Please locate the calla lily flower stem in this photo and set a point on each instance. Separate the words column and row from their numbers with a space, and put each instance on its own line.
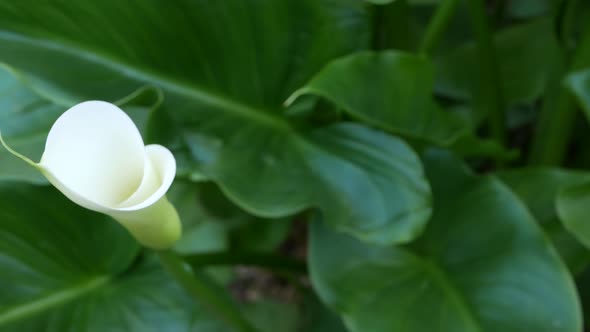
column 204, row 290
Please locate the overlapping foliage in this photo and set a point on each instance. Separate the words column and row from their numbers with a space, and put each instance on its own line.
column 426, row 147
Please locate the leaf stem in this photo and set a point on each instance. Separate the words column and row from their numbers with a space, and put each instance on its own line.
column 204, row 290
column 390, row 26
column 558, row 115
column 491, row 94
column 270, row 261
column 437, row 26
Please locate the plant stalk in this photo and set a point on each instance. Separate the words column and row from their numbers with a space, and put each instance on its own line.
column 204, row 290
column 438, row 24
column 263, row 260
column 558, row 114
column 490, row 97
column 390, row 26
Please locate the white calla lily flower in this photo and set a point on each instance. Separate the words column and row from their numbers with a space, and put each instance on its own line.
column 95, row 156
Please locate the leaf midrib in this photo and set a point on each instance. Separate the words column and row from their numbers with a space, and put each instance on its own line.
column 52, row 300
column 189, row 90
column 445, row 283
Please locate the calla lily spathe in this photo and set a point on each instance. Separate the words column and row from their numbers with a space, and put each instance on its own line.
column 95, row 156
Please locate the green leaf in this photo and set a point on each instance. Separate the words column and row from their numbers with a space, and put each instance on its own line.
column 525, row 64
column 526, row 9
column 481, row 265
column 236, row 57
column 307, row 314
column 25, row 119
column 200, row 233
column 471, row 145
column 579, row 84
column 366, row 182
column 270, row 316
column 391, row 90
column 318, row 318
column 583, row 284
column 572, row 207
column 70, row 269
column 539, row 189
column 260, row 234
column 226, row 68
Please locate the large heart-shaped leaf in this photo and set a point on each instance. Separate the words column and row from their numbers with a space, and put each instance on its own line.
column 67, row 269
column 226, row 67
column 481, row 265
column 366, row 182
column 391, row 90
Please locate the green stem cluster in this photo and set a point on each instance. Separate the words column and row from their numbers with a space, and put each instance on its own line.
column 490, row 96
column 558, row 115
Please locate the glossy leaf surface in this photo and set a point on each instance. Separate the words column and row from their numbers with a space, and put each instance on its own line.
column 390, row 90
column 481, row 265
column 226, row 68
column 541, row 190
column 75, row 270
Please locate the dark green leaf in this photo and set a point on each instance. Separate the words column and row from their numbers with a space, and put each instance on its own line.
column 201, row 233
column 226, row 67
column 306, row 315
column 481, row 265
column 526, row 9
column 271, row 316
column 525, row 64
column 69, row 269
column 391, row 90
column 579, row 83
column 318, row 318
column 572, row 207
column 366, row 182
column 25, row 119
column 260, row 234
column 539, row 189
